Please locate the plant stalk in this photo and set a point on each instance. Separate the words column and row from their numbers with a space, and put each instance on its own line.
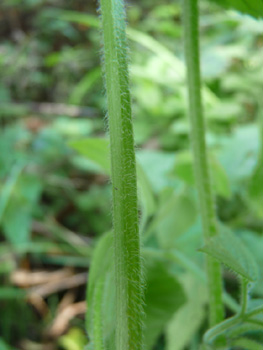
column 201, row 166
column 129, row 286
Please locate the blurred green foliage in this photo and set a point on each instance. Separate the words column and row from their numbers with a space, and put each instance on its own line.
column 55, row 201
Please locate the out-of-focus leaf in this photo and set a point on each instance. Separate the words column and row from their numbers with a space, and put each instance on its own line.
column 229, row 250
column 75, row 339
column 146, row 194
column 255, row 185
column 239, row 155
column 8, row 187
column 248, row 344
column 250, row 7
column 3, row 345
column 96, row 150
column 84, row 86
column 157, row 166
column 187, row 320
column 184, row 170
column 17, row 217
column 163, row 297
column 254, row 242
column 175, row 216
column 12, row 293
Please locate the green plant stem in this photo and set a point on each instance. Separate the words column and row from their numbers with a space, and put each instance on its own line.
column 202, row 175
column 242, row 321
column 255, row 312
column 129, row 290
column 216, row 331
column 244, row 296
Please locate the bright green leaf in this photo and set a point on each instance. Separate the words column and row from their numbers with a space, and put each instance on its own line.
column 229, row 250
column 75, row 339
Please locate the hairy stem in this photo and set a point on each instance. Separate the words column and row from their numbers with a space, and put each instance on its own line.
column 129, row 290
column 201, row 168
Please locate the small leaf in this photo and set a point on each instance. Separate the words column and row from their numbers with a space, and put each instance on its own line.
column 75, row 339
column 250, row 7
column 164, row 296
column 229, row 250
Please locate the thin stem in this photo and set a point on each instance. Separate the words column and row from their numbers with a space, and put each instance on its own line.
column 123, row 169
column 244, row 296
column 254, row 312
column 201, row 168
column 216, row 331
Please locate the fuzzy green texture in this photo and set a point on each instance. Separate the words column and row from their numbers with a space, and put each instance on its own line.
column 201, row 166
column 129, row 284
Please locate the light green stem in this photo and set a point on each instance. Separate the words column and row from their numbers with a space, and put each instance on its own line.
column 216, row 331
column 129, row 290
column 201, row 168
column 244, row 296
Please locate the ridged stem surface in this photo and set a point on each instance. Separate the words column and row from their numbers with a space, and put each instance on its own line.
column 201, row 166
column 123, row 170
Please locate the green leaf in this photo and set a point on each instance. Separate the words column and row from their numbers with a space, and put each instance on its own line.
column 229, row 250
column 176, row 214
column 75, row 339
column 100, row 294
column 3, row 345
column 250, row 7
column 163, row 297
column 247, row 344
column 184, row 170
column 96, row 150
column 146, row 196
column 17, row 216
column 192, row 314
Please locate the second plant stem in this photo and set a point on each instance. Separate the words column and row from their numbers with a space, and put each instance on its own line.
column 201, row 166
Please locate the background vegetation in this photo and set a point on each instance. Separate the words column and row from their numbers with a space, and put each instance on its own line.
column 55, row 199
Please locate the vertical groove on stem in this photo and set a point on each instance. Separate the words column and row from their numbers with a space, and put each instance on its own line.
column 129, row 290
column 201, row 168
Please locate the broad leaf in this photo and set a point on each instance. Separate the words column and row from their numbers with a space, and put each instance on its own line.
column 229, row 250
column 250, row 7
column 176, row 215
column 192, row 314
column 184, row 170
column 163, row 297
